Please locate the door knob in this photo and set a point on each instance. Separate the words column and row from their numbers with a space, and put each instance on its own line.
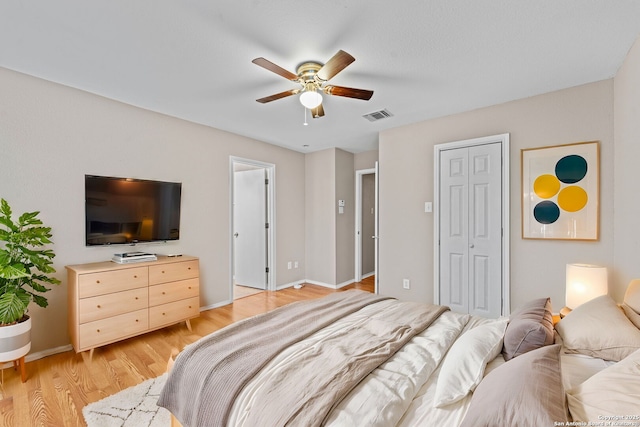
column 235, row 234
column 471, row 246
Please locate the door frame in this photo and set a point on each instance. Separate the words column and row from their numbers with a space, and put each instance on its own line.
column 358, row 235
column 502, row 139
column 271, row 215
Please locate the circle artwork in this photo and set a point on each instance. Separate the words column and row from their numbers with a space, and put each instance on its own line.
column 546, row 212
column 572, row 198
column 571, row 169
column 546, row 186
column 568, row 170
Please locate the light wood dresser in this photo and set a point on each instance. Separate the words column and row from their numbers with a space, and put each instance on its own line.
column 109, row 302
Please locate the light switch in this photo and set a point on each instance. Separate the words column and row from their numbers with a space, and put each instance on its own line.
column 428, row 207
column 341, row 203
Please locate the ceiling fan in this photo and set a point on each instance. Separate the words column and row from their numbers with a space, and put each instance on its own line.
column 312, row 76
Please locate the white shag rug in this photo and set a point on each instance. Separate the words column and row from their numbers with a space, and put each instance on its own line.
column 132, row 407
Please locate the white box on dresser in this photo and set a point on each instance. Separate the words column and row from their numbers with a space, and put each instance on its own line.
column 109, row 302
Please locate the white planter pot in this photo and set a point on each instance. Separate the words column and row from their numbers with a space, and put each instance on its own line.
column 15, row 341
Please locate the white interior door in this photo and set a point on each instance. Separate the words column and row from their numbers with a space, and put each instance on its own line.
column 470, row 218
column 250, row 235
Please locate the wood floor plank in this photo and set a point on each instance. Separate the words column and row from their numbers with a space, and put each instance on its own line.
column 59, row 386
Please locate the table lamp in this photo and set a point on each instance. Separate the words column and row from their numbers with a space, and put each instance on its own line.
column 584, row 282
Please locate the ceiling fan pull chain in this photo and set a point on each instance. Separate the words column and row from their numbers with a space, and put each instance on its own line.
column 305, row 116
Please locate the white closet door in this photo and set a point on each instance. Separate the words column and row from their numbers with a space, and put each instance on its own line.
column 485, row 230
column 471, row 229
column 454, row 229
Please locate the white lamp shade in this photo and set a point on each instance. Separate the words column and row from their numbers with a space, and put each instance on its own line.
column 584, row 283
column 310, row 99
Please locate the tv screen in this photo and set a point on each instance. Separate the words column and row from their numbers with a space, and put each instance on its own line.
column 127, row 210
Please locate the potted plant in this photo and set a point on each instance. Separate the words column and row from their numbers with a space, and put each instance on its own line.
column 25, row 268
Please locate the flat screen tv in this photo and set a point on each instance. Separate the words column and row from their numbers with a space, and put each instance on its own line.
column 128, row 211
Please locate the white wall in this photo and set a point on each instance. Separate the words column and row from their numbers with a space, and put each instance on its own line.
column 320, row 218
column 52, row 135
column 626, row 177
column 345, row 222
column 583, row 113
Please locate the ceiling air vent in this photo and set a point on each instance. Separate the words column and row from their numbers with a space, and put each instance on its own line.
column 378, row 115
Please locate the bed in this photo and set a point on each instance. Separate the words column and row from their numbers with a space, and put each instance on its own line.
column 357, row 359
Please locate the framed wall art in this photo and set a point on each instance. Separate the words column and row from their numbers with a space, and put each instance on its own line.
column 560, row 191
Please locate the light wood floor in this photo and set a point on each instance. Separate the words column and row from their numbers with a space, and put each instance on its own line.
column 59, row 386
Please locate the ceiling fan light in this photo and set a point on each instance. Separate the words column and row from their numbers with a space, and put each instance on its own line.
column 310, row 99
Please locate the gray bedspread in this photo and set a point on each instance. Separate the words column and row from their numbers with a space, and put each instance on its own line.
column 208, row 374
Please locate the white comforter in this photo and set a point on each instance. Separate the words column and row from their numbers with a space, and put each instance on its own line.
column 398, row 393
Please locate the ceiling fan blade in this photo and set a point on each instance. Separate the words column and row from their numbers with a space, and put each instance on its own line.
column 337, row 63
column 349, row 92
column 264, row 63
column 317, row 112
column 278, row 96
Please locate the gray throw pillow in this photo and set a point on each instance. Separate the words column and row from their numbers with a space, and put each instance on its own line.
column 530, row 327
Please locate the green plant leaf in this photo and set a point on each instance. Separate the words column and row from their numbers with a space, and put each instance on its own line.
column 40, row 300
column 8, row 223
column 12, row 306
column 5, row 209
column 13, row 271
column 29, row 218
column 37, row 287
column 46, row 279
column 5, row 258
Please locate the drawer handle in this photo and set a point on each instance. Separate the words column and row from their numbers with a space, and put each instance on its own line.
column 189, row 287
column 137, row 320
column 189, row 306
column 98, row 306
column 188, row 268
column 163, row 314
column 162, row 271
column 136, row 297
column 164, row 293
column 98, row 330
column 97, row 281
column 135, row 276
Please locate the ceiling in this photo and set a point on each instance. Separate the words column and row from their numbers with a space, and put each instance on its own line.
column 423, row 58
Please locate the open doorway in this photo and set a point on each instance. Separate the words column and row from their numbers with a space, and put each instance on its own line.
column 366, row 230
column 251, row 226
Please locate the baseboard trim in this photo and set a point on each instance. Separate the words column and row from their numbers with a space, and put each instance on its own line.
column 347, row 283
column 216, row 305
column 290, row 285
column 364, row 276
column 327, row 285
column 40, row 354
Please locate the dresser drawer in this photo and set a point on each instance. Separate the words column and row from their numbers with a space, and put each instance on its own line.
column 173, row 271
column 174, row 312
column 115, row 328
column 102, row 306
column 107, row 282
column 173, row 291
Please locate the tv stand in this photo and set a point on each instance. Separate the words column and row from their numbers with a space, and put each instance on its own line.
column 109, row 302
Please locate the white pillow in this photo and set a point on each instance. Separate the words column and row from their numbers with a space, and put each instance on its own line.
column 464, row 365
column 599, row 328
column 615, row 391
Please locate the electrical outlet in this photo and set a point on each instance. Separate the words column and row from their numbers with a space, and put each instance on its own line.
column 295, row 264
column 289, row 265
column 406, row 284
